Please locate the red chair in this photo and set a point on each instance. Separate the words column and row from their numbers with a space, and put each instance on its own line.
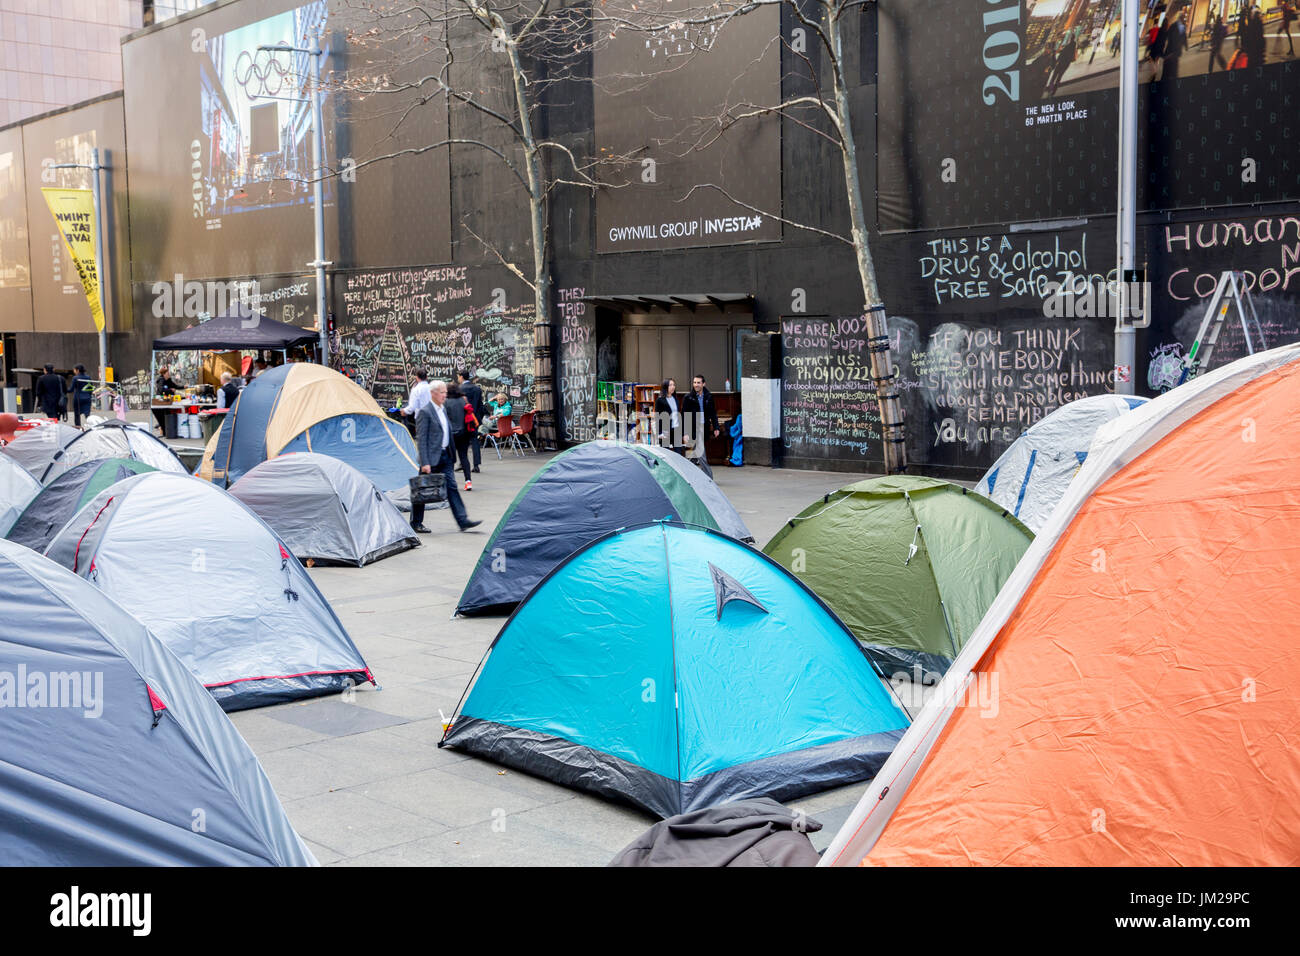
column 525, row 431
column 505, row 433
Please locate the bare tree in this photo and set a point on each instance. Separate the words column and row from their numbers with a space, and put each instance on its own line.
column 493, row 62
column 826, row 96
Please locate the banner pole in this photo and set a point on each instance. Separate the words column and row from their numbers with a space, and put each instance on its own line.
column 96, row 198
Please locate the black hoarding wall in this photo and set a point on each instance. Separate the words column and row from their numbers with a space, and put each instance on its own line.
column 440, row 318
column 1187, row 260
column 1019, row 122
column 170, row 305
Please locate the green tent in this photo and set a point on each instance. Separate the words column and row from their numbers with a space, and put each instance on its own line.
column 909, row 564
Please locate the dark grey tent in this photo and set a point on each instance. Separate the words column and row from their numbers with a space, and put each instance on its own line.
column 110, row 746
column 324, row 509
column 63, row 497
column 239, row 329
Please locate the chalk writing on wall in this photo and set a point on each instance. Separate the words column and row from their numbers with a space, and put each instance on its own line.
column 577, row 365
column 394, row 322
column 1007, row 266
column 968, row 391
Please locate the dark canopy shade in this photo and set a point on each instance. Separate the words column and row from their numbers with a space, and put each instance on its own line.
column 237, row 330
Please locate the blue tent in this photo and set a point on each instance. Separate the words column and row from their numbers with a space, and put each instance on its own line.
column 675, row 668
column 304, row 407
column 580, row 495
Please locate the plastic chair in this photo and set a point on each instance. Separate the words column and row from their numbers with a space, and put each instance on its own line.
column 505, row 433
column 525, row 431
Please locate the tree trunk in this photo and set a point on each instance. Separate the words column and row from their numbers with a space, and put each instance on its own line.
column 883, row 373
column 546, row 422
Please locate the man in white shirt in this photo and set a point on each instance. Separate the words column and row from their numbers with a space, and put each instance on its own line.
column 435, row 440
column 419, row 396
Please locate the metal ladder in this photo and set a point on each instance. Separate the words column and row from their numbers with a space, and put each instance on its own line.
column 1231, row 291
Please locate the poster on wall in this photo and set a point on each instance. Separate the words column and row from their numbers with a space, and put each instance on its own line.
column 1006, row 110
column 673, row 181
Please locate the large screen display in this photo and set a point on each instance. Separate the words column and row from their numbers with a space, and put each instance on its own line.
column 996, row 111
column 222, row 139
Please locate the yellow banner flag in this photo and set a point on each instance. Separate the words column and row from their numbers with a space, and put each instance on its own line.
column 74, row 211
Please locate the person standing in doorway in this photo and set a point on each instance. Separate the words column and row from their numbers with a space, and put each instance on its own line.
column 668, row 417
column 474, row 398
column 82, row 399
column 701, row 416
column 50, row 391
column 434, row 441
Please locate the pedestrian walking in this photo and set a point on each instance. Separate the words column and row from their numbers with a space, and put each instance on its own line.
column 50, row 392
column 82, row 397
column 459, row 414
column 1288, row 17
column 436, row 447
column 474, row 398
column 668, row 417
column 1218, row 33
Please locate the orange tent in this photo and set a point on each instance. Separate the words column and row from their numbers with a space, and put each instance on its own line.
column 1131, row 696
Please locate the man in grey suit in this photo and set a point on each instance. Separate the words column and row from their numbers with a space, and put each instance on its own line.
column 435, row 437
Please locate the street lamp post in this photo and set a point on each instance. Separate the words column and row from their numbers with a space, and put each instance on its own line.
column 1126, row 208
column 318, row 160
column 100, row 278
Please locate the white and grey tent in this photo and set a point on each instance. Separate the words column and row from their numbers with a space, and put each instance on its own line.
column 1031, row 476
column 17, row 489
column 324, row 509
column 216, row 585
column 108, row 744
column 34, row 448
column 113, row 439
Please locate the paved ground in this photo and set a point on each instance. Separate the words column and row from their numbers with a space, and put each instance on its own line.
column 365, row 783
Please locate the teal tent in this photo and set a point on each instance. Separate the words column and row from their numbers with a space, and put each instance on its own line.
column 674, row 668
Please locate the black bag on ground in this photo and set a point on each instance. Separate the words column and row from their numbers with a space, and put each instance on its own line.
column 426, row 489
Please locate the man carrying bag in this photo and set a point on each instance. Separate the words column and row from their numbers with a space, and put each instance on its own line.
column 437, row 457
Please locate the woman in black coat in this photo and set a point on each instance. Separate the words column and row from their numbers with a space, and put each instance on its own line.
column 668, row 417
column 455, row 408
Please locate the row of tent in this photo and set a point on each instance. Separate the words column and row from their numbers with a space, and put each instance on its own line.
column 157, row 601
column 665, row 663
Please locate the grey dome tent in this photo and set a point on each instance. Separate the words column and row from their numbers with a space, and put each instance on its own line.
column 216, row 585
column 17, row 489
column 113, row 439
column 56, row 503
column 324, row 509
column 109, row 744
column 35, row 448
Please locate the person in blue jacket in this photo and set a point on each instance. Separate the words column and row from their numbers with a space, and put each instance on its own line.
column 82, row 396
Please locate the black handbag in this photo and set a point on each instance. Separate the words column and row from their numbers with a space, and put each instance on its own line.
column 428, row 489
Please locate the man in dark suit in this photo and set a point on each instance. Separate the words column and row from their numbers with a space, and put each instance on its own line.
column 474, row 397
column 435, row 437
column 50, row 389
column 701, row 414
